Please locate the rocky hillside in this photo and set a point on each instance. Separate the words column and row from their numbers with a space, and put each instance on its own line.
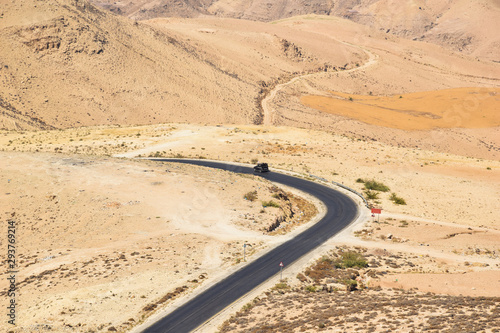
column 65, row 63
column 260, row 10
column 460, row 25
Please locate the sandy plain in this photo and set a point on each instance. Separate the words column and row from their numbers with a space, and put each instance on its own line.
column 181, row 224
column 93, row 254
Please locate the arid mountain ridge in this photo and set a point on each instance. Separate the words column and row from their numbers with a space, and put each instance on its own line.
column 68, row 63
column 76, row 65
column 459, row 25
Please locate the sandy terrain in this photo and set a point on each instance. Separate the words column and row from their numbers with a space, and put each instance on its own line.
column 87, row 245
column 82, row 66
column 447, row 195
column 79, row 69
column 397, row 68
column 443, row 187
column 106, row 241
column 213, row 70
column 478, row 108
column 202, row 214
column 372, row 311
column 378, row 298
column 459, row 252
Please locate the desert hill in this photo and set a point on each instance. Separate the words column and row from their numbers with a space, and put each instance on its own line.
column 67, row 63
column 70, row 64
column 257, row 10
column 396, row 67
column 460, row 25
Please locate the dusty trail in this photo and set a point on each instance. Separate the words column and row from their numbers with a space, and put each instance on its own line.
column 268, row 110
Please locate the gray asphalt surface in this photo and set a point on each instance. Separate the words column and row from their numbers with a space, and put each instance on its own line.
column 342, row 210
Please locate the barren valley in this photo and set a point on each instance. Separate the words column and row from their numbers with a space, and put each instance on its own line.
column 109, row 240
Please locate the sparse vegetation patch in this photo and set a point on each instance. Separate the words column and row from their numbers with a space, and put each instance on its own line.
column 341, row 299
column 351, row 259
column 376, row 186
column 270, row 203
column 250, row 196
column 397, row 200
column 371, row 195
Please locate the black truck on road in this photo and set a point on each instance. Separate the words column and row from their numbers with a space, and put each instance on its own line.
column 261, row 167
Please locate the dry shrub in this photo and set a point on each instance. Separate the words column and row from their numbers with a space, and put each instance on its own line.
column 251, row 196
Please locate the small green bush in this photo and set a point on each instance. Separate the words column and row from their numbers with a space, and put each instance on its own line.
column 376, row 186
column 270, row 203
column 247, row 307
column 281, row 286
column 371, row 195
column 157, row 154
column 351, row 285
column 397, row 200
column 311, row 289
column 352, row 259
column 326, row 259
column 360, row 180
column 251, row 196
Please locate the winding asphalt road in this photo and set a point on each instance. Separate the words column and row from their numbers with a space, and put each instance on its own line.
column 341, row 212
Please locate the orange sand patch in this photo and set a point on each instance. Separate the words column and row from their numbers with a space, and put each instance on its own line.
column 450, row 108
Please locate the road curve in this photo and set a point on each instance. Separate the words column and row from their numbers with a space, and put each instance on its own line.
column 341, row 211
